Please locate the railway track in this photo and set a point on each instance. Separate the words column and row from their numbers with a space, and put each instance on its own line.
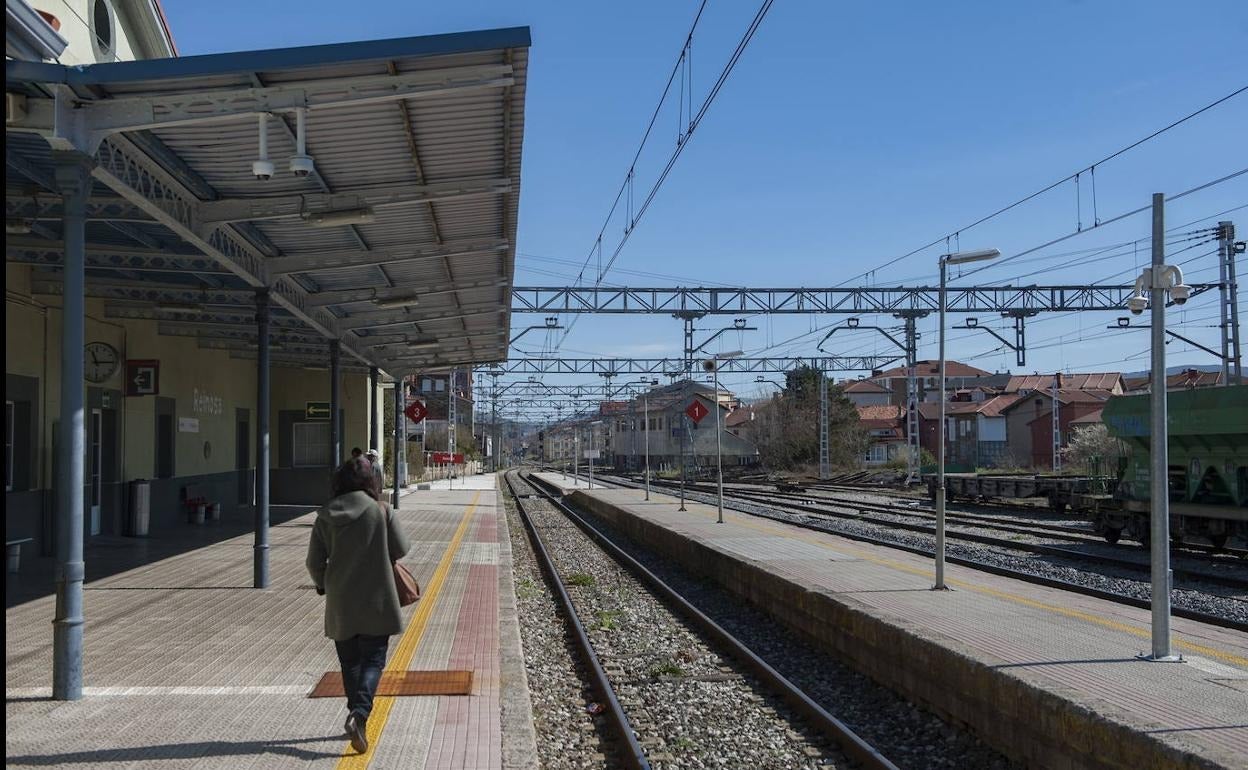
column 629, row 699
column 855, row 509
column 803, row 516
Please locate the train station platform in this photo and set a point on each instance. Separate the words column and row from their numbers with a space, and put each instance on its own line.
column 1048, row 677
column 186, row 666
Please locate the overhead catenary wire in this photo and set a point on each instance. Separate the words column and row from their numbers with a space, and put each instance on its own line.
column 1053, row 186
column 682, row 142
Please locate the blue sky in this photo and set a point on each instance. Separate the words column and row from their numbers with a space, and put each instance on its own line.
column 849, row 134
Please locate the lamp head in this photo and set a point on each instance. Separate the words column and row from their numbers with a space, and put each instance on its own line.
column 970, row 256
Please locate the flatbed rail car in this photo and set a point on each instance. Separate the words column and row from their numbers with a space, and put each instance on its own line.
column 1062, row 492
column 1208, row 471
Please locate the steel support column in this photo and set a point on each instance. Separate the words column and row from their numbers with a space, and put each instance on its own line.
column 374, row 425
column 399, row 439
column 260, row 555
column 1232, row 365
column 1159, row 496
column 913, row 443
column 73, row 177
column 825, row 465
column 335, row 404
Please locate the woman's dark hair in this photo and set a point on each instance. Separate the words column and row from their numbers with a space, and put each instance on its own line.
column 355, row 475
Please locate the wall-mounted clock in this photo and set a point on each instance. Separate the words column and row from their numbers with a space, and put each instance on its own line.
column 100, row 361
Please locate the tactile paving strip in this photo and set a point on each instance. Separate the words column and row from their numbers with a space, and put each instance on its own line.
column 407, row 683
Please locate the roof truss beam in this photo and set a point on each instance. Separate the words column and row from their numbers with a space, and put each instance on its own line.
column 281, row 207
column 676, row 366
column 852, row 301
column 83, row 124
column 332, row 260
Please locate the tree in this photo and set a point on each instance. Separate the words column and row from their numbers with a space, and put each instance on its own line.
column 1093, row 450
column 787, row 430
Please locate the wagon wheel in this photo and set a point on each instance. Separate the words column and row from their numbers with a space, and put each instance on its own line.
column 1057, row 505
column 1112, row 534
column 1176, row 538
column 1219, row 541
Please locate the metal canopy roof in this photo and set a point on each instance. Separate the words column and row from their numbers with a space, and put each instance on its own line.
column 420, row 136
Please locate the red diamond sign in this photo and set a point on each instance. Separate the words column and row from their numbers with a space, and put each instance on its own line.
column 696, row 411
column 416, row 411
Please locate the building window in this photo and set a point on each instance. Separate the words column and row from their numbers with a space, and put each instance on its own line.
column 103, row 29
column 440, row 385
column 10, row 415
column 311, row 444
column 426, row 385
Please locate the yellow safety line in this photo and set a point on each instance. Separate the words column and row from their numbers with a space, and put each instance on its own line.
column 407, row 645
column 773, row 527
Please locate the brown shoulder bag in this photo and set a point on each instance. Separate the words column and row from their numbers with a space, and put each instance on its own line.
column 404, row 582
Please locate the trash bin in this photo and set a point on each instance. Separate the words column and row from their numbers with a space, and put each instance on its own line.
column 198, row 512
column 140, row 507
column 214, row 511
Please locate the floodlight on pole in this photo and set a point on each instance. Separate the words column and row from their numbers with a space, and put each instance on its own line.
column 946, row 260
column 712, row 365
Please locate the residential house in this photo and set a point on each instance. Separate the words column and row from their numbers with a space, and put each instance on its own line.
column 976, row 430
column 866, row 393
column 1107, row 381
column 1029, row 421
column 1184, row 380
column 885, row 425
column 672, row 432
column 927, row 373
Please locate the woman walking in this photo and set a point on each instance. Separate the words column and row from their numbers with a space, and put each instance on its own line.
column 354, row 544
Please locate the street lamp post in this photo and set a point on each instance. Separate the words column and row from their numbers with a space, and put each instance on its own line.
column 576, row 456
column 945, row 261
column 1159, row 280
column 713, row 365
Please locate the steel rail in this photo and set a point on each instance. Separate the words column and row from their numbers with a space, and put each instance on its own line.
column 1064, row 585
column 633, row 756
column 849, row 741
column 767, row 497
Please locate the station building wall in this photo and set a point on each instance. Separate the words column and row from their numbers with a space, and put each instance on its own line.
column 197, row 436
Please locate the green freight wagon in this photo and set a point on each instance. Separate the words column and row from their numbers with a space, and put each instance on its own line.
column 1208, row 465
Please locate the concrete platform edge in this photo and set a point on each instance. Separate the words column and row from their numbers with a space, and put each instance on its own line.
column 519, row 734
column 1017, row 717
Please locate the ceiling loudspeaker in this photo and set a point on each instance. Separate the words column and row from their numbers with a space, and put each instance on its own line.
column 709, row 365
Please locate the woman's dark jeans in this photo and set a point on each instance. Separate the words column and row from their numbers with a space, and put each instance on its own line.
column 362, row 658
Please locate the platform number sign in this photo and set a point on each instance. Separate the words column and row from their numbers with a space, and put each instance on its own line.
column 696, row 411
column 416, row 411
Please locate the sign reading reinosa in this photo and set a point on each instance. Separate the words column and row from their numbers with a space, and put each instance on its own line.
column 446, row 458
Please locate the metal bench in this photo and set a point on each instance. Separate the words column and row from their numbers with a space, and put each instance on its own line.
column 14, row 549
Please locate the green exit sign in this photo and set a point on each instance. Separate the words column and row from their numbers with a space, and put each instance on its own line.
column 317, row 410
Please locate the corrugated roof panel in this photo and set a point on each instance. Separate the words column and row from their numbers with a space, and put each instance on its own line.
column 468, row 134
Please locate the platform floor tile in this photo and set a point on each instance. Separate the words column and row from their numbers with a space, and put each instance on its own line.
column 185, row 666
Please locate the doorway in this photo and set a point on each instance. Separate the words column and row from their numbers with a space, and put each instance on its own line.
column 242, row 455
column 97, row 468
